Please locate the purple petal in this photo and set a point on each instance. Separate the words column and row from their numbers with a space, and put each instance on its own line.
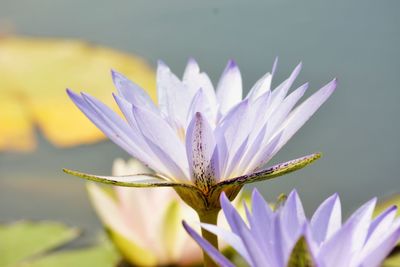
column 238, row 226
column 229, row 90
column 327, row 219
column 230, row 213
column 262, row 86
column 339, row 249
column 281, row 112
column 302, row 113
column 281, row 91
column 226, row 134
column 292, row 215
column 160, row 134
column 377, row 256
column 262, row 223
column 381, row 223
column 236, row 129
column 211, row 251
column 381, row 238
column 232, row 167
column 200, row 145
column 113, row 126
column 230, row 238
column 264, row 155
column 274, row 66
column 361, row 218
column 262, row 212
column 127, row 110
column 132, row 92
column 251, row 152
column 279, row 246
column 255, row 251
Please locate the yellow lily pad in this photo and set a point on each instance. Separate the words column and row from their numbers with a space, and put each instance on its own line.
column 388, row 202
column 34, row 75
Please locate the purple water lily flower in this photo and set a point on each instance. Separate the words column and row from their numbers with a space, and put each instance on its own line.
column 201, row 141
column 285, row 237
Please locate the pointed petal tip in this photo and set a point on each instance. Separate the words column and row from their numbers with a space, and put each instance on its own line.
column 162, row 64
column 294, row 193
column 274, row 65
column 185, row 225
column 223, row 197
column 231, row 63
column 192, row 60
column 331, row 86
column 256, row 196
column 390, row 209
column 116, row 97
column 335, row 196
column 255, row 193
column 72, row 95
column 116, row 75
column 231, row 66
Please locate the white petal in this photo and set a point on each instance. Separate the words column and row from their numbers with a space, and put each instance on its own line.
column 229, row 90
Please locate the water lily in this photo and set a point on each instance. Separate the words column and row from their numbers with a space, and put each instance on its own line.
column 285, row 237
column 201, row 141
column 145, row 224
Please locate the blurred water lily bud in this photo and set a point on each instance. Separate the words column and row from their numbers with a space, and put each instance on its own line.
column 146, row 224
column 34, row 74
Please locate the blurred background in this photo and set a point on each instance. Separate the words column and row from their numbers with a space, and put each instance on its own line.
column 357, row 129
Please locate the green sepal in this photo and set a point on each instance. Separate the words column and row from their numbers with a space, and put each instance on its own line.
column 301, row 255
column 272, row 172
column 202, row 201
column 137, row 180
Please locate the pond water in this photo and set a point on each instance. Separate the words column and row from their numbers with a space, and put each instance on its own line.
column 357, row 129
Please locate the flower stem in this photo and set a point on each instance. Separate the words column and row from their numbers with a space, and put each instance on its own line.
column 210, row 218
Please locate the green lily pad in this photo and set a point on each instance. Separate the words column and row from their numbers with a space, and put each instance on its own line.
column 24, row 240
column 36, row 244
column 101, row 255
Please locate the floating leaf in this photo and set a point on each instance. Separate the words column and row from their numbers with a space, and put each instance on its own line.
column 34, row 75
column 388, row 202
column 392, row 261
column 101, row 255
column 23, row 240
